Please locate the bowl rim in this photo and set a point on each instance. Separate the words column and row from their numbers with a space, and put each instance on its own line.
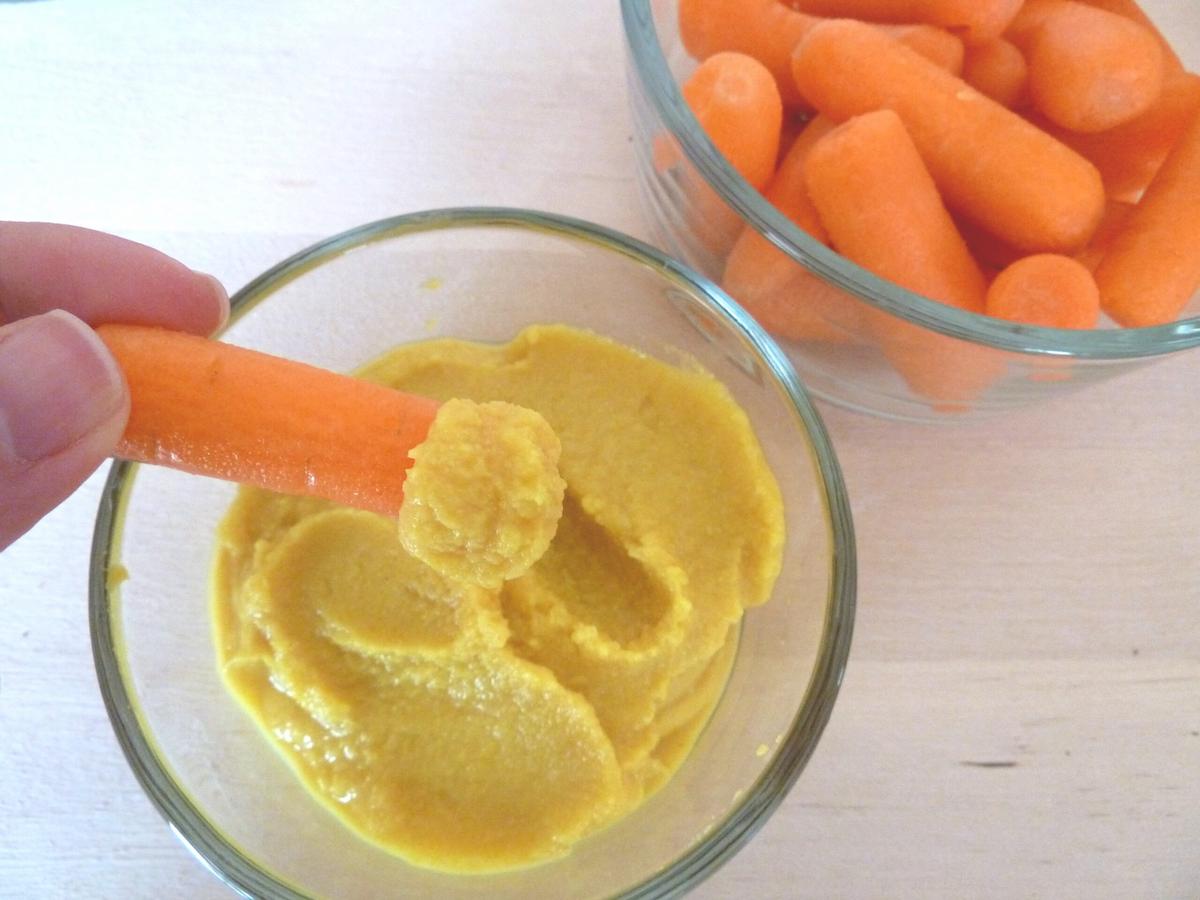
column 250, row 878
column 649, row 66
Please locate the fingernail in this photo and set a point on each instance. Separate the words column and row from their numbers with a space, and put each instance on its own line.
column 57, row 383
column 220, row 293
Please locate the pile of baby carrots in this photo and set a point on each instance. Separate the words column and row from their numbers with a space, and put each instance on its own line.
column 1035, row 161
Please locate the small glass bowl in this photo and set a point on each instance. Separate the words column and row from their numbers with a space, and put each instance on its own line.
column 479, row 274
column 697, row 206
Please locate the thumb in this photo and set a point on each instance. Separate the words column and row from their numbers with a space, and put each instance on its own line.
column 63, row 406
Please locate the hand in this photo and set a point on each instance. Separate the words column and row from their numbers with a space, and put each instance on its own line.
column 63, row 402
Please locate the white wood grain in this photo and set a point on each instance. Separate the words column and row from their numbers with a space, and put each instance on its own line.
column 1030, row 586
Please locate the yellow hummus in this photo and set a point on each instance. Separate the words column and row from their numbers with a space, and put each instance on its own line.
column 469, row 723
column 484, row 495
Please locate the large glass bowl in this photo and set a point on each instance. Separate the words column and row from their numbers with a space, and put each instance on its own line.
column 697, row 206
column 483, row 275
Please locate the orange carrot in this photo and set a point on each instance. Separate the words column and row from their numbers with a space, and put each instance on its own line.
column 997, row 69
column 1029, row 19
column 977, row 21
column 988, row 250
column 937, row 45
column 785, row 298
column 793, row 125
column 1129, row 155
column 1048, row 290
column 1115, row 214
column 1130, row 10
column 1089, row 69
column 214, row 409
column 709, row 225
column 788, row 184
column 1152, row 267
column 735, row 100
column 764, row 29
column 890, row 220
column 991, row 165
column 882, row 210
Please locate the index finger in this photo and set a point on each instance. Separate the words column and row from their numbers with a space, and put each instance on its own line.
column 102, row 278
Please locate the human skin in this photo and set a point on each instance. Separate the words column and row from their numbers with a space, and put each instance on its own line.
column 63, row 402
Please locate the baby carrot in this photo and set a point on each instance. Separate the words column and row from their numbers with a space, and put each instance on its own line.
column 788, row 184
column 764, row 29
column 709, row 225
column 1130, row 10
column 214, row 409
column 1046, row 289
column 1091, row 70
column 997, row 69
column 1128, row 156
column 889, row 219
column 785, row 298
column 1152, row 267
column 769, row 31
column 976, row 21
column 736, row 102
column 1029, row 19
column 793, row 124
column 991, row 165
column 1115, row 214
column 937, row 45
column 988, row 250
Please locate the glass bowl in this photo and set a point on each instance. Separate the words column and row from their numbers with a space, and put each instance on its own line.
column 478, row 274
column 697, row 206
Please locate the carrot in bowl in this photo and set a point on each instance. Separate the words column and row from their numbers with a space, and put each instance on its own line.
column 788, row 182
column 937, row 45
column 1128, row 156
column 1152, row 267
column 793, row 124
column 1131, row 10
column 989, row 251
column 736, row 102
column 976, row 21
column 1045, row 289
column 785, row 298
column 990, row 164
column 1029, row 19
column 1089, row 69
column 214, row 409
column 764, row 29
column 997, row 69
column 1115, row 214
column 769, row 31
column 889, row 218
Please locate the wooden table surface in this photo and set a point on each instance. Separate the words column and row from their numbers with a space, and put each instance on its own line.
column 1021, row 714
